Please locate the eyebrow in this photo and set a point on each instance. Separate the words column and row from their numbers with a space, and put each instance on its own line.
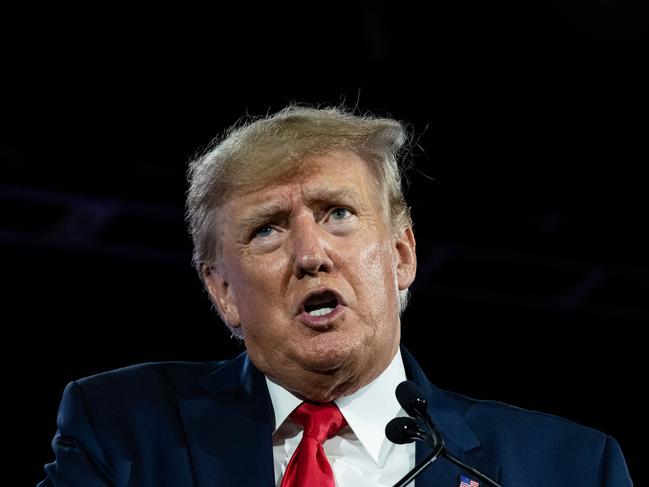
column 324, row 195
column 280, row 209
column 263, row 213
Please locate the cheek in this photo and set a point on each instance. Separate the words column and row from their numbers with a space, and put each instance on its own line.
column 256, row 284
column 258, row 274
column 374, row 268
column 375, row 261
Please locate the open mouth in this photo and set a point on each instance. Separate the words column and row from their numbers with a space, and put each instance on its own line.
column 321, row 308
column 321, row 304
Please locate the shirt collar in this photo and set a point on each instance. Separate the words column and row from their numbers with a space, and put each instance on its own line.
column 283, row 402
column 367, row 410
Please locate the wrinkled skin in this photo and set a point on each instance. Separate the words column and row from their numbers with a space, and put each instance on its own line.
column 327, row 228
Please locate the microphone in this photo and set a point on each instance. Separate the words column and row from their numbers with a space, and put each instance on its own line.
column 407, row 430
column 413, row 403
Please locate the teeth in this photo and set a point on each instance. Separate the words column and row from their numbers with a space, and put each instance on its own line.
column 321, row 311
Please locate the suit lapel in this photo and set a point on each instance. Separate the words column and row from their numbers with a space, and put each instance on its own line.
column 228, row 419
column 459, row 437
column 229, row 424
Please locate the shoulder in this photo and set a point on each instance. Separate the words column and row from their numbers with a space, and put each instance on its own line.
column 488, row 416
column 139, row 401
column 530, row 447
column 511, row 431
column 130, row 412
column 150, row 376
column 515, row 436
column 497, row 423
column 138, row 390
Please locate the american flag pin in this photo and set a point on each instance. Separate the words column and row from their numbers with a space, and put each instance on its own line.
column 467, row 482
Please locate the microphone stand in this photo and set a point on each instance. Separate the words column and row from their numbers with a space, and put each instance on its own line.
column 439, row 450
column 410, row 476
column 412, row 401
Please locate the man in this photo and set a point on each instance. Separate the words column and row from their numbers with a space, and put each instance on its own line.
column 304, row 242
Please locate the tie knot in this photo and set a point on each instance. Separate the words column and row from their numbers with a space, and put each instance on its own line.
column 320, row 421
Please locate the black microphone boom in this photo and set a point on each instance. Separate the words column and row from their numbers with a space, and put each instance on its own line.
column 407, row 430
column 413, row 403
column 404, row 430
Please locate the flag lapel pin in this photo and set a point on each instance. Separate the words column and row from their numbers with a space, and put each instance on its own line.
column 467, row 482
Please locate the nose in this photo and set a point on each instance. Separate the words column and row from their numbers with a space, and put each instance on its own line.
column 310, row 248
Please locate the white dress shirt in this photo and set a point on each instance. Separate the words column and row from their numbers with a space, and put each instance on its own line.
column 360, row 454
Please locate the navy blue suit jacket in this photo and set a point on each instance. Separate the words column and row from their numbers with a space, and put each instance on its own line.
column 176, row 424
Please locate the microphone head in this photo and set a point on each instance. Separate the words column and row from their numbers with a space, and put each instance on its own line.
column 411, row 398
column 403, row 430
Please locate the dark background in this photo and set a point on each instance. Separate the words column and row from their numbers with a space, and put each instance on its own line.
column 527, row 189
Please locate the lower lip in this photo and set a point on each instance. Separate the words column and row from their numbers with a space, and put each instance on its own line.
column 321, row 322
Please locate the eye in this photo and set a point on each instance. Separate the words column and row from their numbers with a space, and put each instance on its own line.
column 340, row 213
column 263, row 231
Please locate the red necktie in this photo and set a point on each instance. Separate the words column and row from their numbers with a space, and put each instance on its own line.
column 309, row 466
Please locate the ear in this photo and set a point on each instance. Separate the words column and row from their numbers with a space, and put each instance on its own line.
column 222, row 297
column 404, row 246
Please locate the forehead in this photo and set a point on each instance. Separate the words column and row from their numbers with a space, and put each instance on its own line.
column 323, row 178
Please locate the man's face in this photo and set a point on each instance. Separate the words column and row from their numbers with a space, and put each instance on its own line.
column 310, row 272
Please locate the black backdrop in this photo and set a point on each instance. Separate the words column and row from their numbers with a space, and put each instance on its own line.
column 527, row 189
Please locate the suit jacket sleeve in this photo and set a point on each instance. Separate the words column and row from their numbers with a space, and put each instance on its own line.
column 79, row 459
column 613, row 471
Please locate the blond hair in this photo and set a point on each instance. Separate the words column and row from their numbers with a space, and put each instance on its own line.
column 273, row 148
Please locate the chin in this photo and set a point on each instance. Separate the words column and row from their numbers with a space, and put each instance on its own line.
column 328, row 376
column 327, row 392
column 327, row 356
column 317, row 396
